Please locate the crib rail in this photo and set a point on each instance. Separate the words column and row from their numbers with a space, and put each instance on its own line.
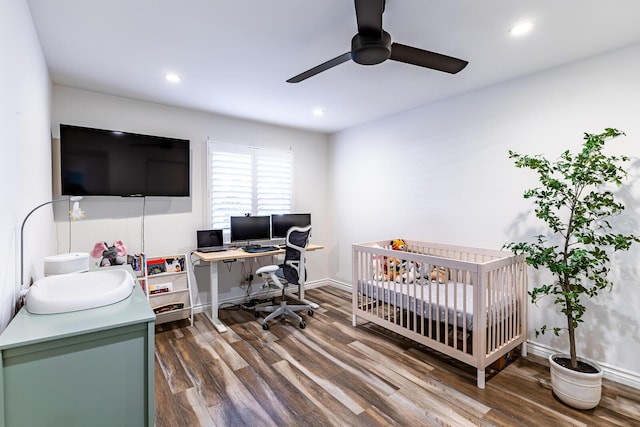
column 465, row 302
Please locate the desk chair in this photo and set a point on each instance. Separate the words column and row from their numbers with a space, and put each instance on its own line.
column 291, row 272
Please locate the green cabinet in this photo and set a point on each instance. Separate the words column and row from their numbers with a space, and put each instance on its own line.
column 85, row 368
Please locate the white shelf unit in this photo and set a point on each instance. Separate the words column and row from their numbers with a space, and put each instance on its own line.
column 166, row 282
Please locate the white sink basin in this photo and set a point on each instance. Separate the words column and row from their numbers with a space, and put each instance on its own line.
column 79, row 291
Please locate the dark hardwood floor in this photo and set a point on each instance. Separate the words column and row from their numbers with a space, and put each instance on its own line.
column 332, row 374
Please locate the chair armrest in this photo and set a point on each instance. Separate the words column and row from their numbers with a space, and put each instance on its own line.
column 267, row 269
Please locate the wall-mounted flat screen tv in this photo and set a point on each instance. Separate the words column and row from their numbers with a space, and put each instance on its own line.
column 98, row 162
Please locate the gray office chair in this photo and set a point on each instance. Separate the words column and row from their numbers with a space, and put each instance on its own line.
column 291, row 272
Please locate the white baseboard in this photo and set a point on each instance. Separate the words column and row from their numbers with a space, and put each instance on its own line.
column 317, row 283
column 619, row 375
column 339, row 285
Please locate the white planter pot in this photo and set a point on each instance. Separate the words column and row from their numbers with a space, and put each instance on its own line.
column 577, row 389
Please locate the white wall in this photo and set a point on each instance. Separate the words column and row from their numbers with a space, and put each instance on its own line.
column 170, row 224
column 25, row 166
column 441, row 173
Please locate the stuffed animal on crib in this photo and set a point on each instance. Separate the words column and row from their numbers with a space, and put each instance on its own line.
column 398, row 245
column 385, row 268
column 439, row 274
column 410, row 272
column 394, row 269
column 378, row 267
column 111, row 255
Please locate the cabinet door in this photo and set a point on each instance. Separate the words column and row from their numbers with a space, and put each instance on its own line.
column 98, row 379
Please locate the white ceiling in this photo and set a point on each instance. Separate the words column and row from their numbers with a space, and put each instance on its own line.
column 234, row 56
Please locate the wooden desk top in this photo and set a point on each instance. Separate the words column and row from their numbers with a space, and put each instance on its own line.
column 239, row 253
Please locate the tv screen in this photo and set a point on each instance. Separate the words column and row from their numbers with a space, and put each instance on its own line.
column 98, row 162
column 248, row 228
column 281, row 223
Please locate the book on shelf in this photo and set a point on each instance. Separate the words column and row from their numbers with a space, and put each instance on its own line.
column 159, row 288
column 143, row 285
column 137, row 263
column 156, row 266
column 174, row 265
column 168, row 307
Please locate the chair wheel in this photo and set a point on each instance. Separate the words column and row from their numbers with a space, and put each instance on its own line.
column 303, row 325
column 265, row 326
column 310, row 312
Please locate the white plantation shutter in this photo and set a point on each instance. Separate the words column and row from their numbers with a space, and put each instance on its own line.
column 274, row 175
column 247, row 180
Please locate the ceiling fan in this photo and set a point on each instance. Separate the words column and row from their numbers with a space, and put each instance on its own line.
column 372, row 45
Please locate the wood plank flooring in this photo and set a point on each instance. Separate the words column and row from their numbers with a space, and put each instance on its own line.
column 332, row 374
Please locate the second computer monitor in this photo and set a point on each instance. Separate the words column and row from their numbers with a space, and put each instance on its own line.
column 250, row 228
column 280, row 224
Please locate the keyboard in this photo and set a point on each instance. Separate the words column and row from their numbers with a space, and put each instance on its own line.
column 212, row 249
column 259, row 249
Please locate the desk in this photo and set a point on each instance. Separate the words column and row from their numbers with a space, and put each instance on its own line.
column 213, row 258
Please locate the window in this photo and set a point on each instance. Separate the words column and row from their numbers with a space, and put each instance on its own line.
column 247, row 180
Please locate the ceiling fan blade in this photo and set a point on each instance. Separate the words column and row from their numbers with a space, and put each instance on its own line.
column 320, row 68
column 424, row 58
column 369, row 16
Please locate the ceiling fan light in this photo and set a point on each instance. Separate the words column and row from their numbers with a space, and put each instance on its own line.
column 521, row 28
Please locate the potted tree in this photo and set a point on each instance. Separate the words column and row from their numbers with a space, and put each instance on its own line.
column 575, row 200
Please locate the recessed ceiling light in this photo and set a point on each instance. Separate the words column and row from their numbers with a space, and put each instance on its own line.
column 172, row 77
column 318, row 112
column 521, row 28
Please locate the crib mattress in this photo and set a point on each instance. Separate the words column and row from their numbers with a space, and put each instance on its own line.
column 452, row 301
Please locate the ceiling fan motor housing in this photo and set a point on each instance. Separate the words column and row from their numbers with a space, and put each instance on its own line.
column 370, row 50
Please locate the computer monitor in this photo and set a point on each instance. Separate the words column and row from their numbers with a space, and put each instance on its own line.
column 250, row 228
column 281, row 223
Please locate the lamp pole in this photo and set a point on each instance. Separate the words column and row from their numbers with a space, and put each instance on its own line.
column 73, row 199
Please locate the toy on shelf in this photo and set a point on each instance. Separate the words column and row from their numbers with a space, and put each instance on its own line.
column 110, row 255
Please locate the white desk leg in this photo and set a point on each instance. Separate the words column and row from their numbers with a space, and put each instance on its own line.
column 213, row 279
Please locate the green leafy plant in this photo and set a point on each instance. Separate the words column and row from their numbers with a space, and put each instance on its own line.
column 575, row 201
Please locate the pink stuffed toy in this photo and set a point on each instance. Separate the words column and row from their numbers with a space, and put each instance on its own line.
column 111, row 255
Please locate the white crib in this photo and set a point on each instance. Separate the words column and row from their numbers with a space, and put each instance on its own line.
column 468, row 303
